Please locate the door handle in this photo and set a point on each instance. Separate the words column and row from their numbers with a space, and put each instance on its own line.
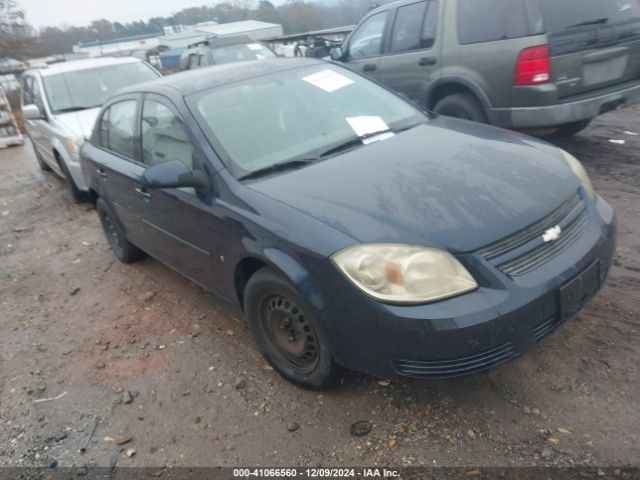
column 143, row 193
column 101, row 172
column 428, row 61
column 369, row 67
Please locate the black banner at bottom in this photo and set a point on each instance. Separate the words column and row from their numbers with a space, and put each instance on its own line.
column 314, row 473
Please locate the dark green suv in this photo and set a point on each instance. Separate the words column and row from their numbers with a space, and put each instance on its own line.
column 515, row 63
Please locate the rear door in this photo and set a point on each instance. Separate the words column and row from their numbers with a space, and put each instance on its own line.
column 411, row 60
column 366, row 43
column 595, row 44
column 117, row 164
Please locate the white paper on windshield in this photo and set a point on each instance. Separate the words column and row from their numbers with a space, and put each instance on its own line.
column 367, row 125
column 254, row 46
column 328, row 80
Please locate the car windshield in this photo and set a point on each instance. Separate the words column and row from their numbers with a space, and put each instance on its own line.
column 296, row 115
column 241, row 53
column 90, row 88
column 569, row 14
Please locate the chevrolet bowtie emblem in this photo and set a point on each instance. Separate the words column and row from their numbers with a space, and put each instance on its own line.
column 552, row 234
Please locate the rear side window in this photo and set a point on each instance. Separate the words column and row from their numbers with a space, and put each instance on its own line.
column 490, row 20
column 415, row 27
column 117, row 128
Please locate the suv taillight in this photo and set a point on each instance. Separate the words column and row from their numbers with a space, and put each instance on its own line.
column 534, row 66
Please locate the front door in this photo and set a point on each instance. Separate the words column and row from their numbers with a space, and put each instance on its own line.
column 180, row 226
column 366, row 44
column 413, row 59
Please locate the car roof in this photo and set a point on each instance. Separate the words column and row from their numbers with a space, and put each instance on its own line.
column 76, row 65
column 193, row 81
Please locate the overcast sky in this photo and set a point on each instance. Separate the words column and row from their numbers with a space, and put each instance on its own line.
column 81, row 12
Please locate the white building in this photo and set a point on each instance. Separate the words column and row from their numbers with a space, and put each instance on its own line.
column 197, row 33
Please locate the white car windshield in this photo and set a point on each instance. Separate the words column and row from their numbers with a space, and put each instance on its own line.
column 90, row 88
column 297, row 115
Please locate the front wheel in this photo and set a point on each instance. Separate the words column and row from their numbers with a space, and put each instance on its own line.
column 286, row 331
column 77, row 194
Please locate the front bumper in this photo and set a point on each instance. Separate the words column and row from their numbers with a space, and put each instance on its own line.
column 582, row 108
column 468, row 334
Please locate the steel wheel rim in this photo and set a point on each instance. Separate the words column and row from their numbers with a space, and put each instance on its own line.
column 290, row 334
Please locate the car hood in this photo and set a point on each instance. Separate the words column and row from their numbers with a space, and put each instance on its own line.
column 450, row 183
column 79, row 124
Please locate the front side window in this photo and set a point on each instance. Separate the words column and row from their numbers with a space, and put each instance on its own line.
column 90, row 88
column 297, row 114
column 163, row 136
column 36, row 96
column 490, row 20
column 407, row 29
column 367, row 41
column 117, row 128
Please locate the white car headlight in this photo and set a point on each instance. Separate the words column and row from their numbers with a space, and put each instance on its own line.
column 581, row 173
column 405, row 273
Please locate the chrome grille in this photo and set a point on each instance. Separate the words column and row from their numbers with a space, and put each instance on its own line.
column 514, row 256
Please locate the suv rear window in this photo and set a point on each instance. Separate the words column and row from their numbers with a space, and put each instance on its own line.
column 490, row 20
column 568, row 14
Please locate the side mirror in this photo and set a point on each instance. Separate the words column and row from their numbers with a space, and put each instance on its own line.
column 337, row 54
column 173, row 174
column 32, row 112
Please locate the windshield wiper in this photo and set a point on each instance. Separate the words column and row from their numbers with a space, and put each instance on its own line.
column 359, row 141
column 303, row 162
column 76, row 109
column 597, row 21
column 276, row 168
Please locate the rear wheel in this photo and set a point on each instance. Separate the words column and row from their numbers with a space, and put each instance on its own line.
column 461, row 105
column 286, row 331
column 573, row 128
column 124, row 250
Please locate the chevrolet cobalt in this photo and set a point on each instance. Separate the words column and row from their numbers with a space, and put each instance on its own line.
column 353, row 229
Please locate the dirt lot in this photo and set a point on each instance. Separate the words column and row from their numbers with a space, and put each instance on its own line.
column 157, row 359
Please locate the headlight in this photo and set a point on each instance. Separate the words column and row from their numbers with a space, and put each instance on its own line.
column 74, row 144
column 405, row 273
column 581, row 173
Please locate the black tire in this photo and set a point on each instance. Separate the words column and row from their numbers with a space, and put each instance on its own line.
column 461, row 105
column 77, row 194
column 124, row 250
column 573, row 128
column 287, row 333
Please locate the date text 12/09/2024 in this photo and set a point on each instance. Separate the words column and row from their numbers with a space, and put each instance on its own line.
column 259, row 473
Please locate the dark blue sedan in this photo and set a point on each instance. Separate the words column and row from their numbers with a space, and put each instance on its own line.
column 354, row 229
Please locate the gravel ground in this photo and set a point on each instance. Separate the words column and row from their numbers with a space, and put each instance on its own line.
column 172, row 374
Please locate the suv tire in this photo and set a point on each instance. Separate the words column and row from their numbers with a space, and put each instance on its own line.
column 461, row 105
column 286, row 332
column 123, row 249
column 573, row 128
